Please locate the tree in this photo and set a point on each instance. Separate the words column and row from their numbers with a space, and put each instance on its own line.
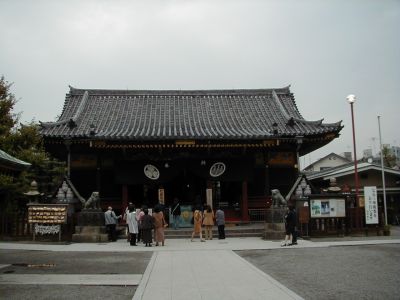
column 389, row 160
column 7, row 102
column 24, row 142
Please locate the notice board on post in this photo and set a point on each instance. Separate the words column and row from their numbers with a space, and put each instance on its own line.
column 371, row 205
column 328, row 208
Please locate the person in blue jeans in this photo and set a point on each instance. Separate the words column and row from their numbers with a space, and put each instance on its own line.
column 176, row 213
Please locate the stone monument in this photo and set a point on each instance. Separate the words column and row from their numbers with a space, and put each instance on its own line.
column 90, row 224
column 274, row 227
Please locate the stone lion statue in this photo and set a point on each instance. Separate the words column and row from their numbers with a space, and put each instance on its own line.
column 277, row 199
column 93, row 201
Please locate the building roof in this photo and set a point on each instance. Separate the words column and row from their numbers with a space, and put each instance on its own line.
column 11, row 163
column 348, row 169
column 183, row 114
column 332, row 154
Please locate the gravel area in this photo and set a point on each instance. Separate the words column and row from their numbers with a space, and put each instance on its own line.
column 49, row 262
column 350, row 272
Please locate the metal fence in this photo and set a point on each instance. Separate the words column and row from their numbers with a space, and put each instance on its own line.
column 269, row 215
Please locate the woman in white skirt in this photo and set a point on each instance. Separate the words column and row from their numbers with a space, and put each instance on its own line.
column 131, row 220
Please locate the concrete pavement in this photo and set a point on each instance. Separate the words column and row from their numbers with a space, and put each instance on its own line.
column 210, row 270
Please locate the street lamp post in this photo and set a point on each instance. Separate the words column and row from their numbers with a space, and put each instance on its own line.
column 383, row 171
column 351, row 99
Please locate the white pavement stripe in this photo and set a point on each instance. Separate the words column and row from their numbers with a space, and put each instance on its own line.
column 182, row 244
column 145, row 279
column 4, row 266
column 72, row 279
column 217, row 274
column 269, row 278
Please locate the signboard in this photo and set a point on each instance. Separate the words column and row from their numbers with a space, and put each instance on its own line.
column 186, row 217
column 161, row 196
column 304, row 215
column 328, row 208
column 47, row 218
column 371, row 205
column 47, row 213
column 281, row 158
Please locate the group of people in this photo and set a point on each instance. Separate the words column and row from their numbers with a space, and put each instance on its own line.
column 140, row 225
column 206, row 218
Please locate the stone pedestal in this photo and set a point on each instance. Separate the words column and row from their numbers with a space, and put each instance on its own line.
column 274, row 231
column 274, row 227
column 91, row 228
column 91, row 217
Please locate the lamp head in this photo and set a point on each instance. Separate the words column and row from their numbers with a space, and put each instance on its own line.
column 351, row 99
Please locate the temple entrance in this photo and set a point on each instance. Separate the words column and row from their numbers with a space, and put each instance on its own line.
column 187, row 187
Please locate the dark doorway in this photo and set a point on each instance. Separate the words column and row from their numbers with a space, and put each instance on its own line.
column 187, row 187
column 143, row 194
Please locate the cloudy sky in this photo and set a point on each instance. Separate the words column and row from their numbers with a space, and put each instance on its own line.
column 324, row 49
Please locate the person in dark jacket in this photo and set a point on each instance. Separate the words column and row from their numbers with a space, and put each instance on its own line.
column 290, row 224
column 147, row 225
column 220, row 220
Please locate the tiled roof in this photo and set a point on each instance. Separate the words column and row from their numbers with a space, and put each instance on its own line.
column 348, row 169
column 179, row 114
column 11, row 162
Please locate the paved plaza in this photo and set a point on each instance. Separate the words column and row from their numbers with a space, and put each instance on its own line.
column 235, row 268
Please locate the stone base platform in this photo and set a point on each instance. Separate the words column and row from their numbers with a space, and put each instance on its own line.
column 274, row 231
column 90, row 234
column 91, row 228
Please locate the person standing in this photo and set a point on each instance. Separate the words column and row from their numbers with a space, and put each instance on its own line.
column 111, row 224
column 208, row 222
column 295, row 232
column 197, row 221
column 159, row 225
column 139, row 219
column 131, row 220
column 176, row 213
column 126, row 212
column 147, row 225
column 290, row 224
column 220, row 220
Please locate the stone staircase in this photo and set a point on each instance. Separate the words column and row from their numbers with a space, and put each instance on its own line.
column 250, row 230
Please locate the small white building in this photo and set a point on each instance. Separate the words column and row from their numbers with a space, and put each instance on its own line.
column 330, row 161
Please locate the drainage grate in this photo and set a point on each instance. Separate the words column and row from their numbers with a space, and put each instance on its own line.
column 34, row 265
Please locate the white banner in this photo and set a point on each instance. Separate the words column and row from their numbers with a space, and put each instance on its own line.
column 371, row 205
column 209, row 197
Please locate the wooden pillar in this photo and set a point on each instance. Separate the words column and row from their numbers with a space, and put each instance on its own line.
column 98, row 174
column 67, row 143
column 245, row 203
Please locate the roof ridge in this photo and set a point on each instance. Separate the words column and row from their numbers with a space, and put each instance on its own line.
column 74, row 118
column 283, row 90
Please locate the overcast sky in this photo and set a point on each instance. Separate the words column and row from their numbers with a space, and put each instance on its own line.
column 324, row 49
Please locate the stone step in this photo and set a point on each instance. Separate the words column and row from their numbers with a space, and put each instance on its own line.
column 89, row 238
column 254, row 230
column 215, row 236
